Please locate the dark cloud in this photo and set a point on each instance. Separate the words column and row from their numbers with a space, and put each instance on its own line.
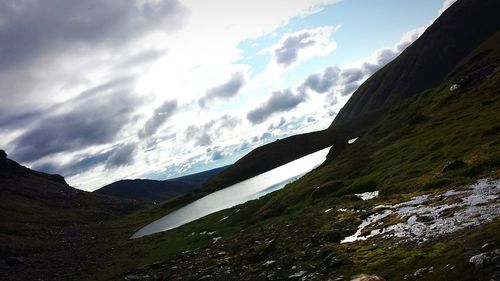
column 278, row 102
column 265, row 136
column 351, row 75
column 198, row 136
column 288, row 52
column 349, row 88
column 311, row 119
column 202, row 135
column 323, row 82
column 224, row 91
column 160, row 115
column 95, row 117
column 216, row 155
column 244, row 146
column 122, row 156
column 31, row 29
column 281, row 123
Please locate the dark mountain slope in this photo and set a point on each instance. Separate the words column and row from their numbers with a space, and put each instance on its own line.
column 154, row 190
column 57, row 230
column 423, row 65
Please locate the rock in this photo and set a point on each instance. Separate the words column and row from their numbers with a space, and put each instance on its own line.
column 135, row 277
column 454, row 87
column 364, row 277
column 298, row 274
column 11, row 261
column 3, row 155
column 484, row 259
column 453, row 165
column 269, row 262
column 424, row 270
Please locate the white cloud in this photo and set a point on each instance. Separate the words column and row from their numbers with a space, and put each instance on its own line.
column 302, row 45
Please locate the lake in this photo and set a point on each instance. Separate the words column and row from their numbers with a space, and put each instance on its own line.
column 236, row 194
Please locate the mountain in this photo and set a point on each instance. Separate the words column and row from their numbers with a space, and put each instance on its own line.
column 414, row 198
column 48, row 229
column 423, row 65
column 154, row 190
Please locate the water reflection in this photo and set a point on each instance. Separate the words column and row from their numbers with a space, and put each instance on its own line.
column 241, row 192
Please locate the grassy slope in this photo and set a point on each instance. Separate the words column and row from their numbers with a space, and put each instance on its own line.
column 402, row 155
column 57, row 229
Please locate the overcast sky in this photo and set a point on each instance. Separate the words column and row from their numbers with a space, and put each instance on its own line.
column 101, row 90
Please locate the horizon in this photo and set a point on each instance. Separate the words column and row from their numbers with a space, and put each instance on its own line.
column 123, row 90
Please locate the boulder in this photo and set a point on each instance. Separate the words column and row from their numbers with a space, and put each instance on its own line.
column 485, row 259
column 453, row 165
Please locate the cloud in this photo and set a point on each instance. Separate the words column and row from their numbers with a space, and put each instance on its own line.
column 121, row 156
column 305, row 43
column 279, row 101
column 52, row 50
column 201, row 135
column 323, row 82
column 216, row 155
column 281, row 123
column 160, row 115
column 31, row 29
column 265, row 136
column 79, row 123
column 223, row 91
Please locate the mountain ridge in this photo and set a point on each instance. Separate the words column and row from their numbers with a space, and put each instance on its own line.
column 157, row 190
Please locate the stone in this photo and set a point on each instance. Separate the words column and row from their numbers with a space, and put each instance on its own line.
column 424, row 270
column 298, row 274
column 453, row 165
column 486, row 258
column 365, row 277
column 454, row 87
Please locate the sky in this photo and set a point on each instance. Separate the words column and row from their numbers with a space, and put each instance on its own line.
column 102, row 90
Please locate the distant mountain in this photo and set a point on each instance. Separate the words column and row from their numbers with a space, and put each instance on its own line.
column 155, row 190
column 423, row 65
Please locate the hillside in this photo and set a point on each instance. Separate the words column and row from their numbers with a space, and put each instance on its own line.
column 433, row 159
column 49, row 230
column 154, row 190
column 423, row 65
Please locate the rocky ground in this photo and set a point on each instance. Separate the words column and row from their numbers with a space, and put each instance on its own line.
column 421, row 237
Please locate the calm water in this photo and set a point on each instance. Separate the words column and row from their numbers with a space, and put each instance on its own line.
column 233, row 195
